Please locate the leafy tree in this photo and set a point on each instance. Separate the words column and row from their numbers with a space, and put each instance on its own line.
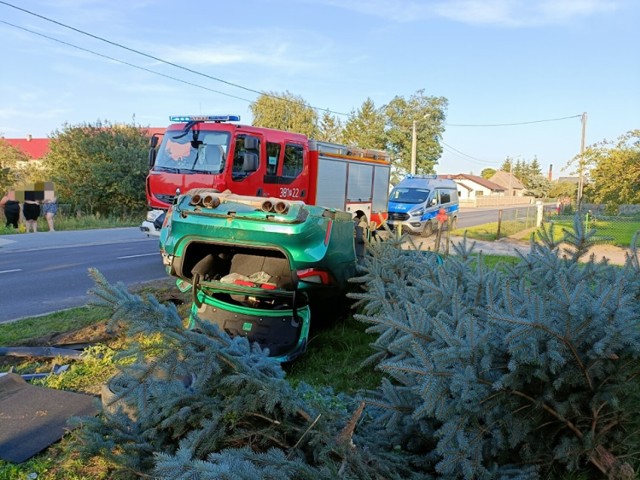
column 614, row 170
column 330, row 129
column 99, row 168
column 10, row 159
column 563, row 189
column 429, row 114
column 488, row 173
column 285, row 111
column 365, row 127
column 538, row 186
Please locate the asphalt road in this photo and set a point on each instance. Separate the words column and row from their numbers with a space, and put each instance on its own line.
column 46, row 272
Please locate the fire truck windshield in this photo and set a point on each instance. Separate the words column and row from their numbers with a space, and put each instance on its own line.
column 205, row 152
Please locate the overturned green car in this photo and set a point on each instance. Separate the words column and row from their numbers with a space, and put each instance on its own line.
column 259, row 267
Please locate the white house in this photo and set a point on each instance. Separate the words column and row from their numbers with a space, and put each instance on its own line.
column 471, row 187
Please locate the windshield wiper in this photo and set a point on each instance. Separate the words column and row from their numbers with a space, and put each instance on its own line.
column 159, row 168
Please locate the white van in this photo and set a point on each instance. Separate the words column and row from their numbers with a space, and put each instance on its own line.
column 417, row 199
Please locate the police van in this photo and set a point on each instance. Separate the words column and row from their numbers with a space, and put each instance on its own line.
column 417, row 199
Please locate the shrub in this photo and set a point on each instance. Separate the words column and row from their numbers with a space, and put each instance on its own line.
column 519, row 371
column 199, row 404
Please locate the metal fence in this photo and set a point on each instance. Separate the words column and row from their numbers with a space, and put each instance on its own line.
column 513, row 221
column 518, row 222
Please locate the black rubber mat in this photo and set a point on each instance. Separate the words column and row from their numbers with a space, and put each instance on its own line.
column 32, row 418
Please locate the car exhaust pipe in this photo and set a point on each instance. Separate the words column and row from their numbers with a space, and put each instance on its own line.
column 281, row 207
column 195, row 200
column 210, row 201
column 267, row 206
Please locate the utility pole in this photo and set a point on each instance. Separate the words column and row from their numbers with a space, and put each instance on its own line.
column 413, row 149
column 581, row 161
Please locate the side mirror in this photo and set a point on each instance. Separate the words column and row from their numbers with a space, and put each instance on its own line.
column 434, row 201
column 152, row 156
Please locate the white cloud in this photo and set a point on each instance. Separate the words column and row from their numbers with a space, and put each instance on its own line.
column 511, row 13
column 273, row 48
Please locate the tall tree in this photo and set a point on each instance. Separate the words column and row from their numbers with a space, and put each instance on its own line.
column 429, row 114
column 99, row 168
column 614, row 170
column 507, row 165
column 533, row 167
column 285, row 111
column 365, row 127
column 10, row 159
column 330, row 129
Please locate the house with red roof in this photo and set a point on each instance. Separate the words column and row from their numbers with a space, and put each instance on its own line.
column 34, row 148
column 37, row 148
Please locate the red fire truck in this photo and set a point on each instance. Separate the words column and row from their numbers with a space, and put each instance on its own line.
column 209, row 151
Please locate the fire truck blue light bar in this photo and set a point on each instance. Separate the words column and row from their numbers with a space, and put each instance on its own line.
column 204, row 118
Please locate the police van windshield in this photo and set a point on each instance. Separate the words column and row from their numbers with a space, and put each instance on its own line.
column 409, row 195
column 206, row 154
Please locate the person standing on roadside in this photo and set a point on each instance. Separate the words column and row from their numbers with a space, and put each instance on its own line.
column 31, row 212
column 11, row 210
column 50, row 208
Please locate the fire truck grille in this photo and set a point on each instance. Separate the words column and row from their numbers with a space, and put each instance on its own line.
column 165, row 198
column 401, row 217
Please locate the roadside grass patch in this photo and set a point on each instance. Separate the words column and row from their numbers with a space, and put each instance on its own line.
column 19, row 332
column 84, row 222
column 618, row 231
column 334, row 359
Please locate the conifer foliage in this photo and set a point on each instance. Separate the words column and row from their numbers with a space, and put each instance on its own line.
column 520, row 371
column 198, row 404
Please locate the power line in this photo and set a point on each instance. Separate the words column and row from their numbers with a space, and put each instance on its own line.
column 158, row 59
column 511, row 124
column 124, row 63
column 465, row 155
column 210, row 77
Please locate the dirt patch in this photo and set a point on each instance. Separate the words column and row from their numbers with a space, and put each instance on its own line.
column 615, row 255
column 95, row 333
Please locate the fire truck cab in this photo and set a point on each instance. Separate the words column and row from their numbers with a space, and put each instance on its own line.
column 211, row 151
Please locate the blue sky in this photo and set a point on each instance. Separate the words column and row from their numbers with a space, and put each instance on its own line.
column 496, row 61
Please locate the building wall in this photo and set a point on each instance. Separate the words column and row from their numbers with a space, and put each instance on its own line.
column 469, row 190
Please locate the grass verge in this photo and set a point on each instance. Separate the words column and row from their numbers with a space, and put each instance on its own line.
column 618, row 231
column 85, row 222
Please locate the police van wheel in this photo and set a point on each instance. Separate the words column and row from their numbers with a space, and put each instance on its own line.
column 427, row 231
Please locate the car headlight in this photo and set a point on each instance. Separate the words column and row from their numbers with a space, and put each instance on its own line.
column 153, row 214
column 417, row 213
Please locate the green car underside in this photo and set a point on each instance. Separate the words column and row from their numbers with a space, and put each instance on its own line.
column 248, row 268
